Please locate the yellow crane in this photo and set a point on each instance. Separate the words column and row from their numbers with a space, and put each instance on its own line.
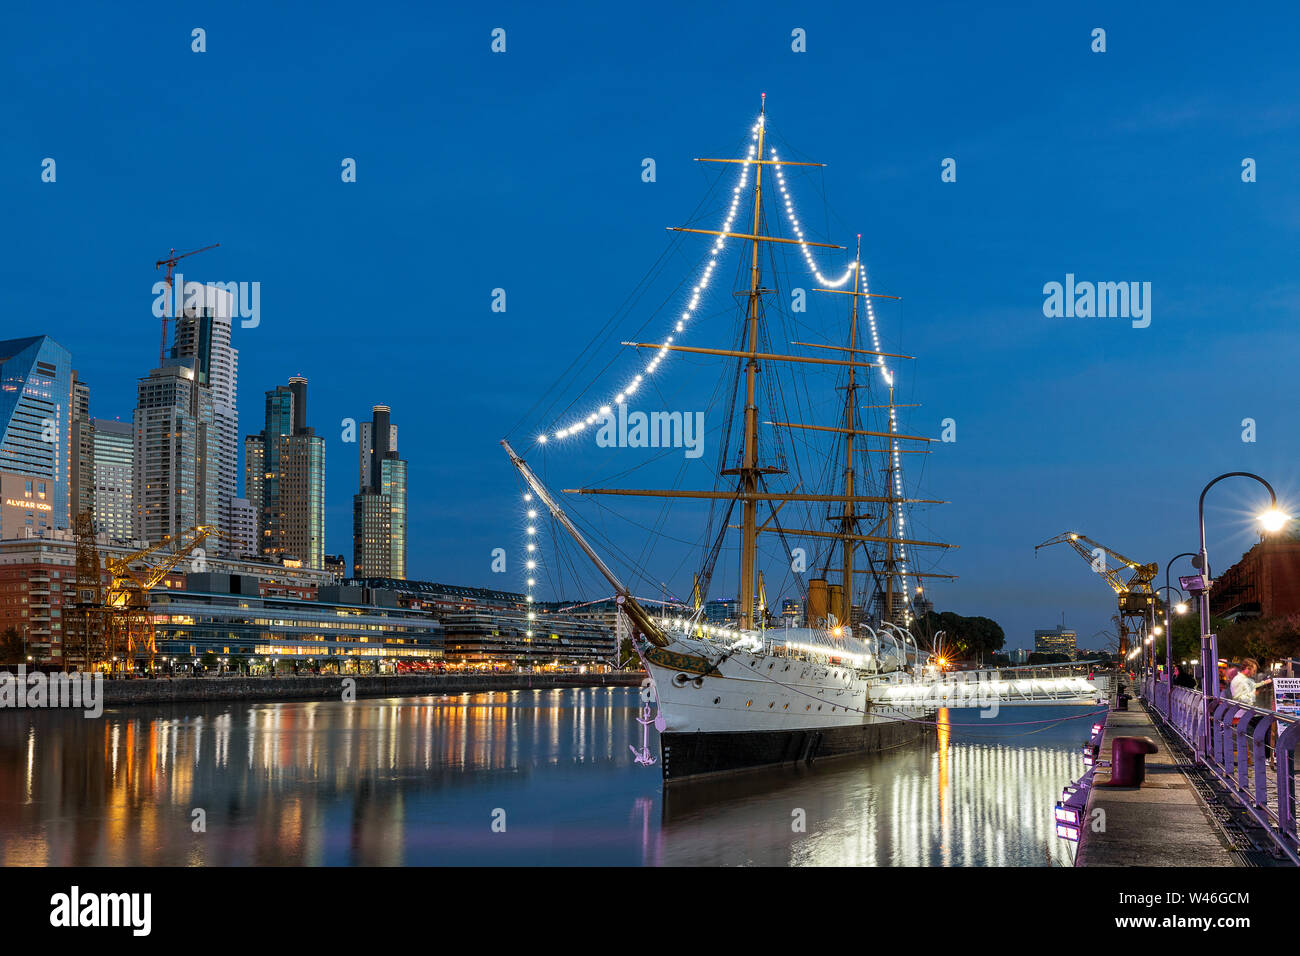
column 1136, row 598
column 128, row 621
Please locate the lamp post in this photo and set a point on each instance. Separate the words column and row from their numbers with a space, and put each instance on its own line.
column 1272, row 520
column 1169, row 632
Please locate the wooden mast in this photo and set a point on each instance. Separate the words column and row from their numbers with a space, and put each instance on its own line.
column 848, row 521
column 749, row 468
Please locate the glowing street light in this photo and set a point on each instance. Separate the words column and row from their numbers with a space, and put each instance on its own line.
column 1271, row 520
column 1274, row 520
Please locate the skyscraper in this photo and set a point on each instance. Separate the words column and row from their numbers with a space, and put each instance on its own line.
column 114, row 458
column 36, row 409
column 379, row 509
column 202, row 341
column 81, row 496
column 174, row 487
column 284, row 478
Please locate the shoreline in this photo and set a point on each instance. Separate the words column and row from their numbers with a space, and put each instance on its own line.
column 126, row 693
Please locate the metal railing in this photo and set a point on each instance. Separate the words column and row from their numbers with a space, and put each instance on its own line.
column 1251, row 751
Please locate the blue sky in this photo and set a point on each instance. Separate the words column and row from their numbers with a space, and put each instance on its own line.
column 522, row 171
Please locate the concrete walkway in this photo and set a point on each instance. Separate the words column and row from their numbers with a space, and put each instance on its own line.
column 1162, row 823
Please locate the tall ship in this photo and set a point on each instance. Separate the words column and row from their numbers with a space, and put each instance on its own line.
column 808, row 484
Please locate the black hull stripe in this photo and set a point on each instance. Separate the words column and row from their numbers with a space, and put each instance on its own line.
column 691, row 756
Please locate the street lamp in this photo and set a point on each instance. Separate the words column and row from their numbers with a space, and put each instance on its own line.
column 1272, row 520
column 1181, row 608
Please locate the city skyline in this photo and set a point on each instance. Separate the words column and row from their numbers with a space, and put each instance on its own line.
column 1149, row 190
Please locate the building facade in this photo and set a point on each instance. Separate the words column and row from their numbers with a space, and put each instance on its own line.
column 284, row 478
column 36, row 412
column 1264, row 583
column 1056, row 640
column 114, row 465
column 229, row 615
column 202, row 341
column 379, row 508
column 81, row 496
column 174, row 484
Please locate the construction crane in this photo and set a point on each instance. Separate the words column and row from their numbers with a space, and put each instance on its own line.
column 170, row 263
column 1136, row 598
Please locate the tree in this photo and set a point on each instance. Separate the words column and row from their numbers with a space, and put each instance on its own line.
column 11, row 646
column 1048, row 657
column 967, row 638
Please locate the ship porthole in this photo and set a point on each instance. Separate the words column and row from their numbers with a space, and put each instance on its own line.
column 717, row 700
column 698, row 682
column 680, row 680
column 748, row 702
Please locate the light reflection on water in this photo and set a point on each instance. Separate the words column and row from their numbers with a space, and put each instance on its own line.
column 420, row 780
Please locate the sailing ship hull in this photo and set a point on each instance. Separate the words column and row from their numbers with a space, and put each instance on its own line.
column 746, row 711
column 694, row 756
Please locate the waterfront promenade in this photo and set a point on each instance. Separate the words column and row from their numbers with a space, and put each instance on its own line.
column 166, row 690
column 1161, row 823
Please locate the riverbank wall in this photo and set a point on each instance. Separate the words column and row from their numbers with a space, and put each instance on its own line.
column 118, row 693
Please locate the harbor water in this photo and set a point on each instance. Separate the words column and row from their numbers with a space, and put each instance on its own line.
column 535, row 777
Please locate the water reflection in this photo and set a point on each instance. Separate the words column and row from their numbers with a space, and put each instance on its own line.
column 416, row 781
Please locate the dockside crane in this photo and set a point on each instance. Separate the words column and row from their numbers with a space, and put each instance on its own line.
column 110, row 619
column 1136, row 597
column 129, row 621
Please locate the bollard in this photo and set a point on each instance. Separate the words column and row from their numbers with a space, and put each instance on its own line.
column 1128, row 765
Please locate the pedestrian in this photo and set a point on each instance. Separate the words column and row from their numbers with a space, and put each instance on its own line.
column 1243, row 686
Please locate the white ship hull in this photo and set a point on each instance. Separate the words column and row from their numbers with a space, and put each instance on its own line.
column 724, row 714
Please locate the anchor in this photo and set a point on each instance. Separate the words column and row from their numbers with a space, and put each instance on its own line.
column 643, row 755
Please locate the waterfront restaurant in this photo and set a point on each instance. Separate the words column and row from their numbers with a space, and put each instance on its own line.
column 225, row 615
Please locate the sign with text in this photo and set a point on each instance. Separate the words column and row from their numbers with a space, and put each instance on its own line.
column 1286, row 695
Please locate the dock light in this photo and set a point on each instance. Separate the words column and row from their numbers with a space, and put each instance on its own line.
column 1157, row 630
column 1068, row 814
column 1067, row 832
column 1274, row 520
column 1181, row 607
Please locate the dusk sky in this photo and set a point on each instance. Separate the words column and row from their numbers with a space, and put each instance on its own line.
column 522, row 170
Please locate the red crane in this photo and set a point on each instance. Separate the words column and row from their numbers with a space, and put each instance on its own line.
column 170, row 263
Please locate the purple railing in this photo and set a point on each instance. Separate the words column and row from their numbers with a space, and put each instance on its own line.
column 1252, row 752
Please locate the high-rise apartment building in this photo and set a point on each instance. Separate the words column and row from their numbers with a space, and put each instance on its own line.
column 284, row 478
column 81, row 467
column 379, row 509
column 176, row 451
column 114, row 464
column 36, row 411
column 202, row 341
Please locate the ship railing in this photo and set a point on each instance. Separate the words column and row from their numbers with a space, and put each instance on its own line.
column 1250, row 751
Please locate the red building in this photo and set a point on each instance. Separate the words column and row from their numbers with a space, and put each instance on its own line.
column 1264, row 583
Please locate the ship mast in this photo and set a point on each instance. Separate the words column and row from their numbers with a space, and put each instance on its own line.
column 749, row 469
column 849, row 519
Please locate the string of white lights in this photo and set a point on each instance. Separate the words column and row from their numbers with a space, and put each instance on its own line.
column 697, row 291
column 531, row 553
column 798, row 231
column 886, row 372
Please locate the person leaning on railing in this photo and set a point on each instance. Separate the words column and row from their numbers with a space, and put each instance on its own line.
column 1244, row 687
